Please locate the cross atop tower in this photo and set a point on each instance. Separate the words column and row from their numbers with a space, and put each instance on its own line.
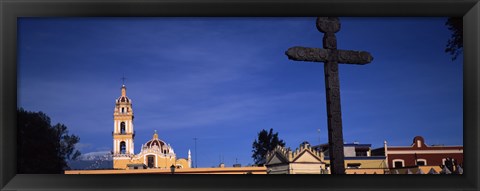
column 123, row 79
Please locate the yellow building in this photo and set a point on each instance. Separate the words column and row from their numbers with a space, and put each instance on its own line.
column 217, row 170
column 304, row 160
column 358, row 159
column 154, row 154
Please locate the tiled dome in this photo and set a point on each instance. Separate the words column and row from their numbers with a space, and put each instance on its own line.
column 155, row 142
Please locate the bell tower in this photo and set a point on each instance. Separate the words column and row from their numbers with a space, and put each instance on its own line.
column 123, row 133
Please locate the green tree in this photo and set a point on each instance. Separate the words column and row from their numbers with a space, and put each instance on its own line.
column 266, row 141
column 66, row 142
column 455, row 43
column 43, row 148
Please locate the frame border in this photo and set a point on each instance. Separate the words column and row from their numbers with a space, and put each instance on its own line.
column 12, row 9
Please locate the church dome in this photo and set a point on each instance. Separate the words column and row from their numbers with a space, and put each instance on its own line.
column 123, row 99
column 157, row 144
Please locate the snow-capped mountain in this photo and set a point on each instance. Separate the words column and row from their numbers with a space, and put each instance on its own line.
column 100, row 155
column 92, row 160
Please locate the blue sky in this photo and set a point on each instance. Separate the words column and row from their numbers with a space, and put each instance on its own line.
column 222, row 80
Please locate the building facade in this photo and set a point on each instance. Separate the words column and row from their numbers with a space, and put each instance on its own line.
column 357, row 156
column 419, row 154
column 303, row 160
column 224, row 170
column 154, row 154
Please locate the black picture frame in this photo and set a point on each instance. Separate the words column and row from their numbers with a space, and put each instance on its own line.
column 10, row 10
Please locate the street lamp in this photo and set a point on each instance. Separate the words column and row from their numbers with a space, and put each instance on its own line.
column 172, row 169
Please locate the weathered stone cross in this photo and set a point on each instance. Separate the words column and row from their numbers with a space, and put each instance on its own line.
column 331, row 57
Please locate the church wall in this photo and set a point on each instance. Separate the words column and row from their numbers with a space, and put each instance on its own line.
column 121, row 163
column 161, row 161
column 182, row 162
column 305, row 168
column 165, row 162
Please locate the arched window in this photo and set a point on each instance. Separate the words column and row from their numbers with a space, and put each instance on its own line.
column 123, row 148
column 123, row 110
column 398, row 163
column 421, row 162
column 443, row 161
column 122, row 127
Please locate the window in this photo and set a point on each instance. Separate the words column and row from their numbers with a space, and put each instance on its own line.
column 421, row 162
column 353, row 165
column 122, row 147
column 123, row 110
column 398, row 163
column 151, row 161
column 361, row 153
column 122, row 127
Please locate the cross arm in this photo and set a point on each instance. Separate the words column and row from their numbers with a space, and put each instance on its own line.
column 322, row 55
column 354, row 57
column 299, row 53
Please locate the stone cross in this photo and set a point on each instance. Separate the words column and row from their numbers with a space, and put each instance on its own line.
column 331, row 57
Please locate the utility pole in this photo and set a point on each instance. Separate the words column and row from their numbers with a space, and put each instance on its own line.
column 196, row 164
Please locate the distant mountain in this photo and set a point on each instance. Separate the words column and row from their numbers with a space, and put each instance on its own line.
column 100, row 155
column 92, row 160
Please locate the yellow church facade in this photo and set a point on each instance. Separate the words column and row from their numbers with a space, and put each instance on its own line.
column 154, row 154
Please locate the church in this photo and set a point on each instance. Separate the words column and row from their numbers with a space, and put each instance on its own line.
column 154, row 154
column 304, row 160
